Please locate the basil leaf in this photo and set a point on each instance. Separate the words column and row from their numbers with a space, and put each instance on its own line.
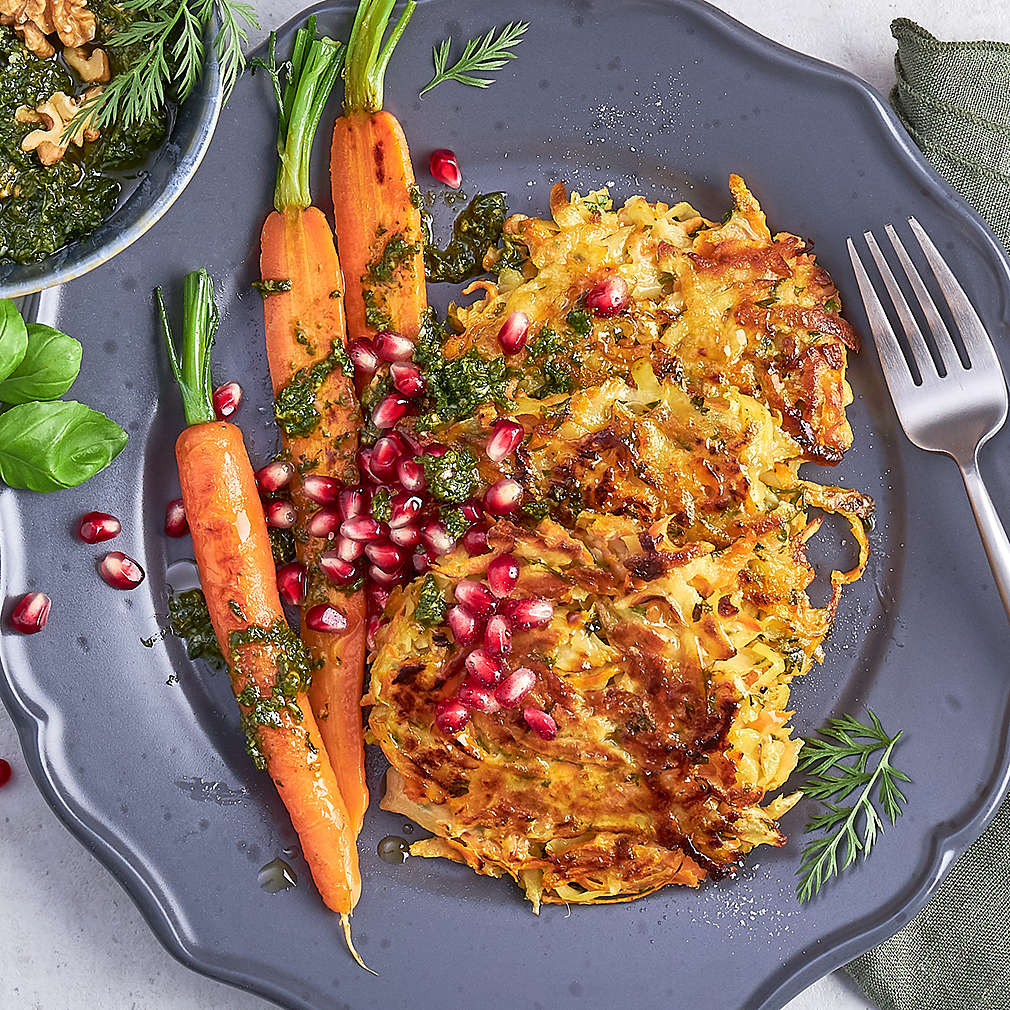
column 13, row 338
column 47, row 370
column 49, row 446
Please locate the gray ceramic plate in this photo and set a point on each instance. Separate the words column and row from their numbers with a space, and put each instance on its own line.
column 661, row 98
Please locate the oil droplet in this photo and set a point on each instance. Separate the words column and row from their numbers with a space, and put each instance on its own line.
column 408, row 829
column 182, row 575
column 276, row 876
column 394, row 849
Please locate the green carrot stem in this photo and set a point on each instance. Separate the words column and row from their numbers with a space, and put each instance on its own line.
column 367, row 57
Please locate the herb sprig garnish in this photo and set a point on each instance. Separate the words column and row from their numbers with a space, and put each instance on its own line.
column 845, row 748
column 169, row 37
column 481, row 54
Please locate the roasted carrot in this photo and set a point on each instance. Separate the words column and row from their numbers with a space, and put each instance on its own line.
column 317, row 407
column 376, row 204
column 268, row 664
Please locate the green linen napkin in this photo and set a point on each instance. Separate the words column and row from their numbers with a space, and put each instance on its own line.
column 954, row 100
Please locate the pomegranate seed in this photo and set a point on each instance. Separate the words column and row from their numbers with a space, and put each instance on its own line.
column 336, row 569
column 363, row 528
column 292, row 582
column 383, row 578
column 385, row 556
column 5, row 772
column 608, row 297
column 175, row 519
column 324, row 523
column 483, row 668
column 515, row 687
column 226, row 399
column 31, row 613
column 503, row 575
column 475, row 596
column 371, row 630
column 98, row 526
column 365, row 464
column 514, row 332
column 363, row 357
column 349, row 550
column 472, row 510
column 463, row 625
column 389, row 411
column 403, row 509
column 322, row 490
column 376, row 597
column 505, row 436
column 437, row 539
column 392, row 346
column 436, row 450
column 405, row 536
column 280, row 515
column 474, row 541
column 532, row 612
column 541, row 723
column 451, row 715
column 353, row 501
column 385, row 454
column 407, row 378
column 503, row 496
column 445, row 168
column 325, row 617
column 421, row 562
column 478, row 698
column 275, row 475
column 120, row 570
column 410, row 474
column 497, row 637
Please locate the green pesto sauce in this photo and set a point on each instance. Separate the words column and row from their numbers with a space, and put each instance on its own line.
column 477, row 229
column 375, row 317
column 190, row 620
column 282, row 545
column 295, row 403
column 455, row 522
column 431, row 607
column 551, row 368
column 382, row 507
column 453, row 477
column 396, row 251
column 580, row 322
column 273, row 287
column 42, row 208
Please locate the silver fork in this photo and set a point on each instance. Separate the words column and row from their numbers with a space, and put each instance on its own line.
column 956, row 408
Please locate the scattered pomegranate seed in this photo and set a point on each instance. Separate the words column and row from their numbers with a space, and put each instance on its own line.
column 376, row 598
column 403, row 508
column 482, row 667
column 385, row 455
column 175, row 519
column 498, row 636
column 275, row 475
column 226, row 399
column 608, row 297
column 325, row 617
column 475, row 596
column 445, row 168
column 389, row 411
column 5, row 772
column 292, row 582
column 503, row 575
column 363, row 357
column 384, row 578
column 436, row 450
column 503, row 496
column 472, row 510
column 372, row 629
column 31, row 613
column 514, row 332
column 410, row 474
column 541, row 723
column 120, row 570
column 98, row 526
column 421, row 562
column 348, row 549
column 505, row 436
column 365, row 464
column 385, row 556
column 353, row 501
column 437, row 539
column 336, row 569
column 280, row 515
column 532, row 612
column 451, row 715
column 322, row 490
column 474, row 541
column 477, row 698
column 392, row 346
column 407, row 378
column 405, row 536
column 463, row 625
column 363, row 528
column 515, row 687
column 325, row 522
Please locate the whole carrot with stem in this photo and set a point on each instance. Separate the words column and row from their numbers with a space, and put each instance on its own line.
column 316, row 404
column 269, row 667
column 376, row 204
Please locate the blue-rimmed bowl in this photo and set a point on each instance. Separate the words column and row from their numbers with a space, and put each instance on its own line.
column 162, row 179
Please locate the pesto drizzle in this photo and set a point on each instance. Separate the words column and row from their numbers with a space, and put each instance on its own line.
column 295, row 403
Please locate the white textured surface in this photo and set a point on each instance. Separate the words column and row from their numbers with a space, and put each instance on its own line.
column 70, row 937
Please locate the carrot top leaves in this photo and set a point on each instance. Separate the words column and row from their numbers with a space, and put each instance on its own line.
column 191, row 363
column 367, row 57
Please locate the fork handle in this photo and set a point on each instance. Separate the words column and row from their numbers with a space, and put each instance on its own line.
column 990, row 528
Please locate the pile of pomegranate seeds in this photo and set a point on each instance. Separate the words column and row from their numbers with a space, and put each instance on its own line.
column 483, row 620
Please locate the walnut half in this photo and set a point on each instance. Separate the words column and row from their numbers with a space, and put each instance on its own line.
column 50, row 144
column 91, row 68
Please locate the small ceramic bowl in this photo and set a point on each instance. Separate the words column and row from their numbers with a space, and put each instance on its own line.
column 163, row 178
